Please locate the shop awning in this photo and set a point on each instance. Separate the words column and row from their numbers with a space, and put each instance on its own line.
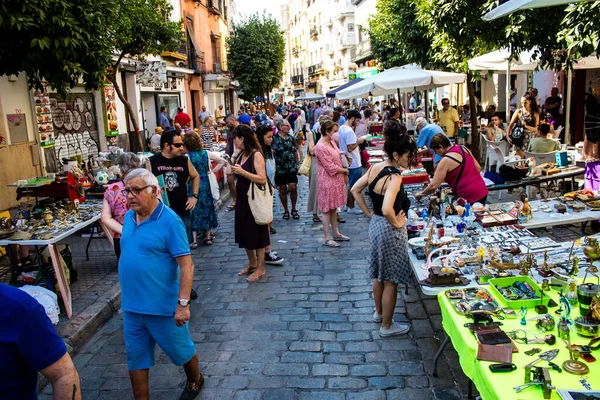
column 180, row 70
column 310, row 97
column 515, row 5
column 397, row 79
column 331, row 93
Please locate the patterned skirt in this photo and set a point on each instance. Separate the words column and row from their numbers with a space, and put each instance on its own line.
column 389, row 252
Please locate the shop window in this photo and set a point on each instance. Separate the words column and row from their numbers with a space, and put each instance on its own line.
column 351, row 27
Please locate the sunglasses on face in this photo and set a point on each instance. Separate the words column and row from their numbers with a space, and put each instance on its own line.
column 134, row 191
column 178, row 145
column 445, row 104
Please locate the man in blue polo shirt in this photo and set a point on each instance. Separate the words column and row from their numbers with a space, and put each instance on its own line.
column 28, row 344
column 156, row 274
column 426, row 133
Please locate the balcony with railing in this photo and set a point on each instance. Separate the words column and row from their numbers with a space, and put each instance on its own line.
column 314, row 33
column 298, row 80
column 345, row 41
column 179, row 54
column 295, row 51
column 315, row 69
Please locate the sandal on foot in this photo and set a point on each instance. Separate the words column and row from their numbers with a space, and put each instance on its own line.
column 341, row 238
column 295, row 214
column 286, row 215
column 246, row 270
column 208, row 242
column 316, row 218
column 341, row 220
column 255, row 276
column 231, row 206
column 193, row 245
column 330, row 243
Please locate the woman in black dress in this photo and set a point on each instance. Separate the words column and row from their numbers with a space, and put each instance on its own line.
column 248, row 234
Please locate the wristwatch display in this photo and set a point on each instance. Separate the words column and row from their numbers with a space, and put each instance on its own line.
column 183, row 302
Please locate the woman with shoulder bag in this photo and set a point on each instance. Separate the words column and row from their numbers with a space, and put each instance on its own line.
column 459, row 169
column 204, row 215
column 250, row 168
column 523, row 124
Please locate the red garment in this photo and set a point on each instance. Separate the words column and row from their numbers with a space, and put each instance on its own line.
column 331, row 190
column 471, row 186
column 182, row 119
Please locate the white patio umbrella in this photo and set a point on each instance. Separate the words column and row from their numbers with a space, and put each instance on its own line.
column 501, row 61
column 408, row 77
column 516, row 5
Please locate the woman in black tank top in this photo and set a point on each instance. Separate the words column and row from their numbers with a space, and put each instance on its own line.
column 389, row 263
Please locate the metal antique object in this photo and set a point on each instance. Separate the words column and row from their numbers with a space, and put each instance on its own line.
column 592, row 252
column 586, row 292
column 572, row 365
column 535, row 376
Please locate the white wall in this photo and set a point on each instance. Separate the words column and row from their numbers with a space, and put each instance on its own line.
column 15, row 98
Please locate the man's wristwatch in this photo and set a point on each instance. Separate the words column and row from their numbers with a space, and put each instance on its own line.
column 183, row 302
column 195, row 195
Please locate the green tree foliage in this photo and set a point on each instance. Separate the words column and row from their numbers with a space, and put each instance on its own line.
column 255, row 54
column 140, row 28
column 64, row 42
column 579, row 30
column 59, row 41
column 397, row 37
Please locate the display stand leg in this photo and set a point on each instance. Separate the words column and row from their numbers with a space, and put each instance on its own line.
column 59, row 270
column 438, row 354
column 87, row 248
column 13, row 262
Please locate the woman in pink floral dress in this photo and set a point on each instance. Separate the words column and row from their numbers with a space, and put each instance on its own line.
column 114, row 205
column 331, row 192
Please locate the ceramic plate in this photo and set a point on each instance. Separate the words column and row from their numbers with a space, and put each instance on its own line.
column 417, row 242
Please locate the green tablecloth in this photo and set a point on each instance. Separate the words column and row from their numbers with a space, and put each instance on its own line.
column 500, row 386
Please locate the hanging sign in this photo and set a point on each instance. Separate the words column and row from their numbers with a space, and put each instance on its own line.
column 151, row 73
column 43, row 114
column 111, row 110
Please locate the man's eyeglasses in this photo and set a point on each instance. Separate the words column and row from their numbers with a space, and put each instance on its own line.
column 445, row 104
column 134, row 191
column 178, row 145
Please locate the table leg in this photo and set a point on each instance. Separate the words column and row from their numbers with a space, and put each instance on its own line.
column 13, row 263
column 59, row 270
column 87, row 248
column 438, row 354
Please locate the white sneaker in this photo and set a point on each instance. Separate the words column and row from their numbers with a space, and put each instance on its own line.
column 377, row 317
column 395, row 329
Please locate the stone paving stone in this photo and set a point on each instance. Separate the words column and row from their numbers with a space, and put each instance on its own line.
column 346, row 383
column 304, row 333
column 367, row 395
column 330, row 370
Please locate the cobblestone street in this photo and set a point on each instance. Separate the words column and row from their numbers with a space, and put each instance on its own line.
column 304, row 332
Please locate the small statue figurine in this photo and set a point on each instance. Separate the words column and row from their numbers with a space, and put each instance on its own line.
column 526, row 209
column 563, row 329
column 545, row 264
column 47, row 217
column 575, row 270
column 523, row 315
column 523, row 267
column 572, row 293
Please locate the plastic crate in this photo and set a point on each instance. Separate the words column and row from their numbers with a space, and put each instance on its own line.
column 516, row 304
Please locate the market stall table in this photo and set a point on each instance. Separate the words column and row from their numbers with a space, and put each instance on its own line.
column 57, row 261
column 501, row 385
column 566, row 173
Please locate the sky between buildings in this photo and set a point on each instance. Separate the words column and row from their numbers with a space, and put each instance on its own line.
column 245, row 7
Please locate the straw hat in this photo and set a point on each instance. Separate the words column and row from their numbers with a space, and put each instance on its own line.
column 158, row 130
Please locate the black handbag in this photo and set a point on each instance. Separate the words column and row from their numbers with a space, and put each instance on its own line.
column 517, row 136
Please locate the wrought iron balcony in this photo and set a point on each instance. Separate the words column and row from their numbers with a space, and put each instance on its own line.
column 315, row 69
column 297, row 80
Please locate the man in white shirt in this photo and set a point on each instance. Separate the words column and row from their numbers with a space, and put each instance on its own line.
column 202, row 115
column 349, row 147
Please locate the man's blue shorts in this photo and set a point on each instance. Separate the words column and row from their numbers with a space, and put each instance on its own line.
column 354, row 175
column 142, row 333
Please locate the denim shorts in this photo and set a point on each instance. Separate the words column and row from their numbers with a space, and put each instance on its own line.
column 354, row 176
column 142, row 332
